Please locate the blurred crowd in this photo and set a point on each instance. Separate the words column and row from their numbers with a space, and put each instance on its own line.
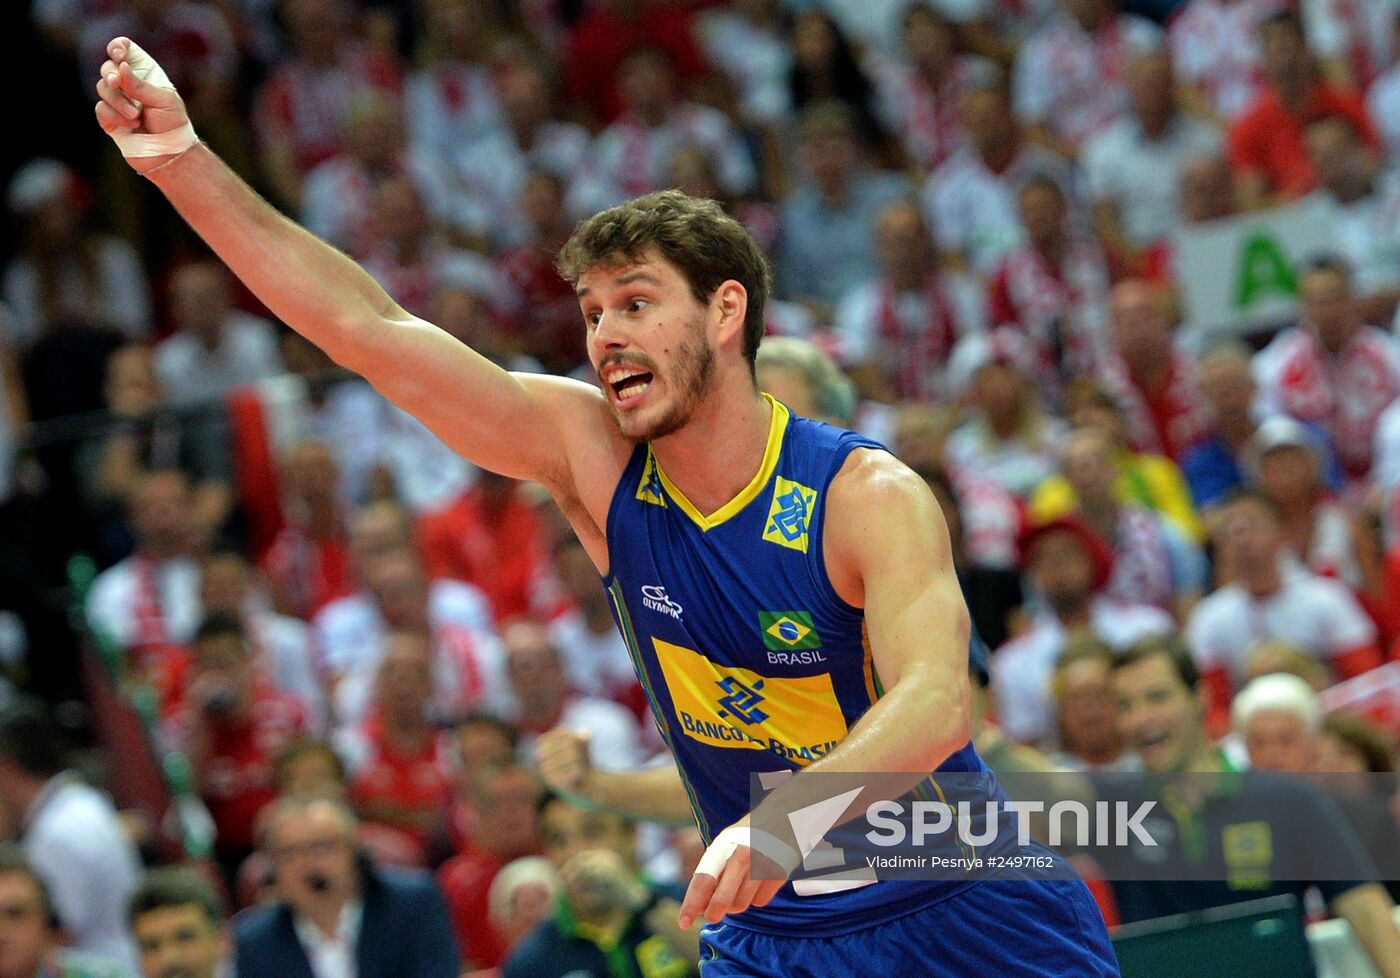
column 350, row 638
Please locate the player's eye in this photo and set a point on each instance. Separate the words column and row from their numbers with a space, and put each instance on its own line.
column 636, row 305
column 592, row 318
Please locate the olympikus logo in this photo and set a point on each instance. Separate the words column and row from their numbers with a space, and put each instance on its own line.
column 654, row 596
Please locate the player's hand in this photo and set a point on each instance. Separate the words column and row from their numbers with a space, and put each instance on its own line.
column 738, row 871
column 140, row 108
column 561, row 756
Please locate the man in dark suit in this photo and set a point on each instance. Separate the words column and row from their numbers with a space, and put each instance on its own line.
column 339, row 917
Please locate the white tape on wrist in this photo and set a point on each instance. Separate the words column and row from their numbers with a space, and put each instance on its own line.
column 140, row 144
column 712, row 863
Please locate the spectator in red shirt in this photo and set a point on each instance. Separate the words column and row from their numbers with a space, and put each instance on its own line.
column 1268, row 151
column 398, row 759
column 504, row 801
column 231, row 726
column 489, row 537
column 610, row 30
column 308, row 564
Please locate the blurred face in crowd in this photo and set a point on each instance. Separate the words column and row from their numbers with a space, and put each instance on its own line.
column 131, row 386
column 1335, row 754
column 648, row 342
column 311, row 773
column 199, row 300
column 567, row 830
column 1250, row 533
column 1063, row 570
column 1089, row 13
column 482, row 745
column 405, row 679
column 460, row 24
column 1337, row 158
column 25, row 937
column 1228, row 386
column 525, row 98
column 463, row 314
column 1142, row 324
column 1042, row 207
column 646, row 85
column 1328, row 307
column 179, row 942
column 789, row 385
column 542, row 202
column 1159, row 717
column 1207, row 189
column 919, row 436
column 1151, row 88
column 373, row 132
column 813, row 40
column 313, row 472
column 1285, row 55
column 532, row 664
column 160, row 514
column 692, row 172
column 313, row 856
column 377, row 530
column 400, row 588
column 223, row 583
column 997, row 391
column 1087, row 708
column 1090, row 468
column 316, row 27
column 599, row 885
column 1088, row 409
column 1279, row 741
column 987, row 117
column 1289, row 472
column 579, row 576
column 399, row 214
column 929, row 40
column 531, row 903
column 223, row 669
column 506, row 802
column 832, row 157
column 902, row 243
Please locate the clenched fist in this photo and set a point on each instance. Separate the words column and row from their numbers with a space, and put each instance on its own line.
column 140, row 108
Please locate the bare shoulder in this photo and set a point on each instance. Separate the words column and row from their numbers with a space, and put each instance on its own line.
column 878, row 511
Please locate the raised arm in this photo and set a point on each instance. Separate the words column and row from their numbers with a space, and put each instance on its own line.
column 523, row 426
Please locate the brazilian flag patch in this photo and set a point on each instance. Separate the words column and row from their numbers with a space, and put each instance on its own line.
column 784, row 630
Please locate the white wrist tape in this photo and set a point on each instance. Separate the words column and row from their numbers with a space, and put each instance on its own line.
column 170, row 143
column 717, row 855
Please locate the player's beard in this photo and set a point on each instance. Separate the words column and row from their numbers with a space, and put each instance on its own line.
column 689, row 378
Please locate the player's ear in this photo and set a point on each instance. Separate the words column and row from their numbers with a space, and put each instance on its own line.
column 729, row 306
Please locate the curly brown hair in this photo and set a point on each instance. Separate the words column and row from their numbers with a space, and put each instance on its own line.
column 707, row 245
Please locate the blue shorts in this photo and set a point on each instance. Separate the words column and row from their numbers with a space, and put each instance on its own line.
column 1009, row 929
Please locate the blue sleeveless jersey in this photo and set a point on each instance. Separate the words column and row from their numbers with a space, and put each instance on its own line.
column 750, row 660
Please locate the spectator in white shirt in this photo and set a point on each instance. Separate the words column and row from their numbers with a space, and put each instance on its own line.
column 468, row 667
column 1133, row 168
column 74, row 839
column 215, row 347
column 543, row 702
column 971, row 199
column 1269, row 597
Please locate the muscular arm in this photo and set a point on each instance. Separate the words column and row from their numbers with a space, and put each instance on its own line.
column 887, row 551
column 526, row 427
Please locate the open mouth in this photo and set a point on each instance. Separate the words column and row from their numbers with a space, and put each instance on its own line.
column 629, row 383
